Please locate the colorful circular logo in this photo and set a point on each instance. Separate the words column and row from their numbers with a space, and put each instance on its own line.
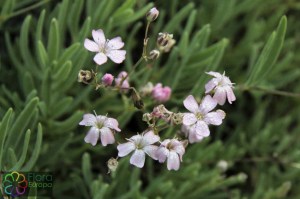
column 14, row 184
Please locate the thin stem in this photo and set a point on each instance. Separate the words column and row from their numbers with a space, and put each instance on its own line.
column 144, row 54
column 146, row 41
column 24, row 10
column 274, row 92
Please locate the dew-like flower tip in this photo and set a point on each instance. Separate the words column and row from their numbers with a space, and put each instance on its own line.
column 105, row 48
column 102, row 128
column 221, row 86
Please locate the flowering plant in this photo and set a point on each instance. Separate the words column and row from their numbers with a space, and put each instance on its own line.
column 194, row 124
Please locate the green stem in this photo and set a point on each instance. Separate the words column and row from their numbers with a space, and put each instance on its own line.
column 274, row 92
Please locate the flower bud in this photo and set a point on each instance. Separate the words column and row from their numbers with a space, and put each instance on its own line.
column 154, row 54
column 163, row 39
column 152, row 14
column 137, row 101
column 160, row 93
column 85, row 76
column 147, row 89
column 107, row 79
column 168, row 47
column 112, row 164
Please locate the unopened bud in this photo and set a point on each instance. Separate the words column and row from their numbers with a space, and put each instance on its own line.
column 152, row 14
column 137, row 100
column 107, row 79
column 85, row 76
column 112, row 165
column 154, row 54
column 163, row 39
column 147, row 89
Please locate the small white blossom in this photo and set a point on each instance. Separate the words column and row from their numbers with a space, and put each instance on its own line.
column 105, row 48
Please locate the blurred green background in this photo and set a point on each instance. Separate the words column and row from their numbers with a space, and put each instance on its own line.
column 41, row 102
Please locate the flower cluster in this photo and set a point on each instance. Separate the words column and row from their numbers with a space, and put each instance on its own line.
column 194, row 123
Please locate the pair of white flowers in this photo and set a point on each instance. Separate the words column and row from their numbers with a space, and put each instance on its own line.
column 195, row 124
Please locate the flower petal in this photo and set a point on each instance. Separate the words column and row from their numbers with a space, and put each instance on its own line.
column 91, row 45
column 173, row 161
column 115, row 43
column 207, row 104
column 230, row 95
column 179, row 149
column 189, row 118
column 162, row 153
column 215, row 118
column 209, row 86
column 195, row 137
column 191, row 104
column 151, row 151
column 116, row 56
column 215, row 74
column 202, row 129
column 100, row 58
column 125, row 149
column 88, row 120
column 150, row 138
column 107, row 136
column 138, row 158
column 220, row 96
column 99, row 37
column 112, row 123
column 92, row 136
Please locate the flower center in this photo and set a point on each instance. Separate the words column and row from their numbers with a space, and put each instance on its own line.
column 99, row 124
column 199, row 116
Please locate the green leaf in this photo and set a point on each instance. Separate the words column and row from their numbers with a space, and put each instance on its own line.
column 53, row 46
column 21, row 161
column 86, row 168
column 21, row 122
column 269, row 55
column 3, row 132
column 36, row 150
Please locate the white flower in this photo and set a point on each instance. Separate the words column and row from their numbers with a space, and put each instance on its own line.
column 140, row 144
column 172, row 151
column 100, row 125
column 105, row 48
column 200, row 117
column 222, row 87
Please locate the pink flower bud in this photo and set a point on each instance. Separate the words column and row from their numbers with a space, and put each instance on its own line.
column 125, row 85
column 107, row 79
column 152, row 14
column 161, row 94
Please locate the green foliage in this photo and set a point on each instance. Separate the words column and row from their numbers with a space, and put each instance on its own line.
column 41, row 103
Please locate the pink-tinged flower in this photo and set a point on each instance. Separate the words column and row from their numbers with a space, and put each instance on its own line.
column 200, row 116
column 172, row 151
column 105, row 48
column 107, row 79
column 191, row 134
column 152, row 14
column 125, row 84
column 222, row 88
column 101, row 126
column 140, row 144
column 161, row 94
